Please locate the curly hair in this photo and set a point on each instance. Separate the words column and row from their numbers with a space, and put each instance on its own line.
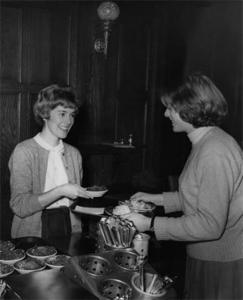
column 198, row 101
column 49, row 98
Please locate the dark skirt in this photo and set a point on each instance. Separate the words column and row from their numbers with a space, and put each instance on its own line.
column 212, row 280
column 56, row 223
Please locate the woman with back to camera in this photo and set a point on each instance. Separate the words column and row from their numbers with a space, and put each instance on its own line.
column 210, row 194
column 46, row 173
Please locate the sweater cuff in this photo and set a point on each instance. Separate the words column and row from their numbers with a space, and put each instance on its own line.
column 160, row 228
column 171, row 202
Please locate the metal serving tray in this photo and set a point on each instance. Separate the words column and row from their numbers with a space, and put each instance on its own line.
column 109, row 275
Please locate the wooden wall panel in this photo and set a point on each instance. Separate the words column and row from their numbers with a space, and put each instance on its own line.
column 36, row 45
column 10, row 44
column 10, row 125
column 133, row 66
column 60, row 47
column 9, row 132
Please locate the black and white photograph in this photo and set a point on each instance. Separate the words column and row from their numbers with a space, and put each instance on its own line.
column 121, row 149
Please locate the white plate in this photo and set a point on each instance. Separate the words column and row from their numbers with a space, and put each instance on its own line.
column 96, row 194
column 9, row 270
column 89, row 210
column 17, row 266
column 12, row 261
column 54, row 262
column 32, row 252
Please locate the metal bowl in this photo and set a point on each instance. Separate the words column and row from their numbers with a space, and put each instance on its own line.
column 115, row 289
column 95, row 265
column 126, row 259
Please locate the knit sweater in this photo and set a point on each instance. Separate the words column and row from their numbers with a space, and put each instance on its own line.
column 211, row 198
column 28, row 164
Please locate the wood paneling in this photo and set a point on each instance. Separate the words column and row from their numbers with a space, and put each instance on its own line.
column 10, row 132
column 36, row 45
column 11, row 44
column 10, row 127
column 60, row 47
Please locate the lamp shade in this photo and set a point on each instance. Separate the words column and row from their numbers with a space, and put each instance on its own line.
column 108, row 11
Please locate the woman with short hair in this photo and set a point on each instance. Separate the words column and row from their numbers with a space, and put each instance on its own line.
column 210, row 194
column 45, row 172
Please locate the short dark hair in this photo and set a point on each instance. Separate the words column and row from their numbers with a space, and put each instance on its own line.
column 49, row 98
column 198, row 101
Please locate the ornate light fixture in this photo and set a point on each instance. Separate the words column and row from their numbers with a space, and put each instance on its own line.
column 108, row 12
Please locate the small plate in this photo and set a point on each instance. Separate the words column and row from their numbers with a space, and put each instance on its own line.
column 11, row 257
column 58, row 261
column 97, row 194
column 93, row 211
column 29, row 265
column 5, row 270
column 41, row 252
column 109, row 211
column 147, row 212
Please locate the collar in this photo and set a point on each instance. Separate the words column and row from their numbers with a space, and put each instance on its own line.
column 196, row 135
column 45, row 145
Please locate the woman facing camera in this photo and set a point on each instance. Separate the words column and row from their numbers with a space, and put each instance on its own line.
column 45, row 172
column 210, row 194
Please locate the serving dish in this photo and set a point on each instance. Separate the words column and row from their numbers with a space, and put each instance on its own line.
column 12, row 256
column 128, row 206
column 6, row 245
column 29, row 265
column 139, row 205
column 58, row 261
column 5, row 270
column 97, row 191
column 41, row 252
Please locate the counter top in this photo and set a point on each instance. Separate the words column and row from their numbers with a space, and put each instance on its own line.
column 48, row 284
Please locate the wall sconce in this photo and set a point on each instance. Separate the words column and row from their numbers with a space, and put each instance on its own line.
column 108, row 12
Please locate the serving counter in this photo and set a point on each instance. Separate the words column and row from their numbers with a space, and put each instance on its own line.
column 62, row 284
column 65, row 284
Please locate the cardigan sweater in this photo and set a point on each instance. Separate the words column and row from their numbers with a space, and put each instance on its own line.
column 211, row 197
column 28, row 164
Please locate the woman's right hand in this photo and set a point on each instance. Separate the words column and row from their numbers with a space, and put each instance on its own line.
column 74, row 191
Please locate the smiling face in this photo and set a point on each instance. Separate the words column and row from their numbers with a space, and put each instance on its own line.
column 178, row 125
column 58, row 125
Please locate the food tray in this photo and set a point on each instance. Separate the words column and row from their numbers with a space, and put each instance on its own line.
column 108, row 275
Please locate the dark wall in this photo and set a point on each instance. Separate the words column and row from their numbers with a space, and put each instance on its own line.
column 152, row 45
column 201, row 36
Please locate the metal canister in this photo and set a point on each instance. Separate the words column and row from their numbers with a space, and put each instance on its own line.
column 141, row 244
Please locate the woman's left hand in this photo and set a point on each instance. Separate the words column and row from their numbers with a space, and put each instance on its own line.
column 141, row 222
